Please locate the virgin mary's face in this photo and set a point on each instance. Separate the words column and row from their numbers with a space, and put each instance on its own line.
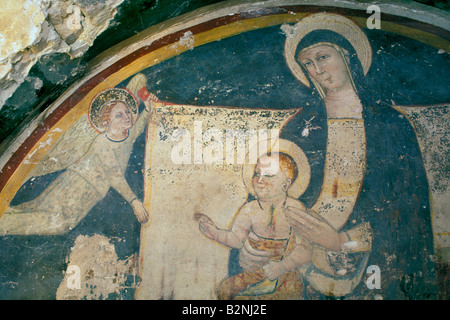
column 327, row 66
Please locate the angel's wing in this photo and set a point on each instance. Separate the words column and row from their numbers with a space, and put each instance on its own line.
column 70, row 147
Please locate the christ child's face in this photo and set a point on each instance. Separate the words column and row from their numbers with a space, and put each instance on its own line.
column 269, row 181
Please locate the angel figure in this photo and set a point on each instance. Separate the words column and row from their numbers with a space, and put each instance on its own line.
column 114, row 114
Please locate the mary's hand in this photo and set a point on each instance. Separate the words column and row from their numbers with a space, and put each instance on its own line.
column 250, row 258
column 315, row 230
column 139, row 211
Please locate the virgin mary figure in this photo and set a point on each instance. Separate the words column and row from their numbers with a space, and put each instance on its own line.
column 367, row 176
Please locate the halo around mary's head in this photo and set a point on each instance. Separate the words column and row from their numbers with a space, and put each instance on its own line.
column 331, row 22
column 299, row 185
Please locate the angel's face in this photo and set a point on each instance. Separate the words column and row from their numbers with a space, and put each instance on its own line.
column 120, row 117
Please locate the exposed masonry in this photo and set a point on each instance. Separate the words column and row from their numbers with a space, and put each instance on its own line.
column 32, row 29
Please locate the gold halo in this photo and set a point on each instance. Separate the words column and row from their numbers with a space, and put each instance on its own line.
column 107, row 96
column 300, row 184
column 326, row 21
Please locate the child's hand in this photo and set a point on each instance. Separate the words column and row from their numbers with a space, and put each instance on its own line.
column 273, row 270
column 250, row 258
column 206, row 225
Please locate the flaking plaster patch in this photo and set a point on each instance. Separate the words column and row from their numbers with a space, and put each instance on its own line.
column 101, row 273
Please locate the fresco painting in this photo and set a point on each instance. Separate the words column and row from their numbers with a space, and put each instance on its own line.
column 179, row 186
column 277, row 156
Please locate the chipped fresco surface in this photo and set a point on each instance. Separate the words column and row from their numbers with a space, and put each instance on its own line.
column 97, row 272
column 34, row 29
column 128, row 189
